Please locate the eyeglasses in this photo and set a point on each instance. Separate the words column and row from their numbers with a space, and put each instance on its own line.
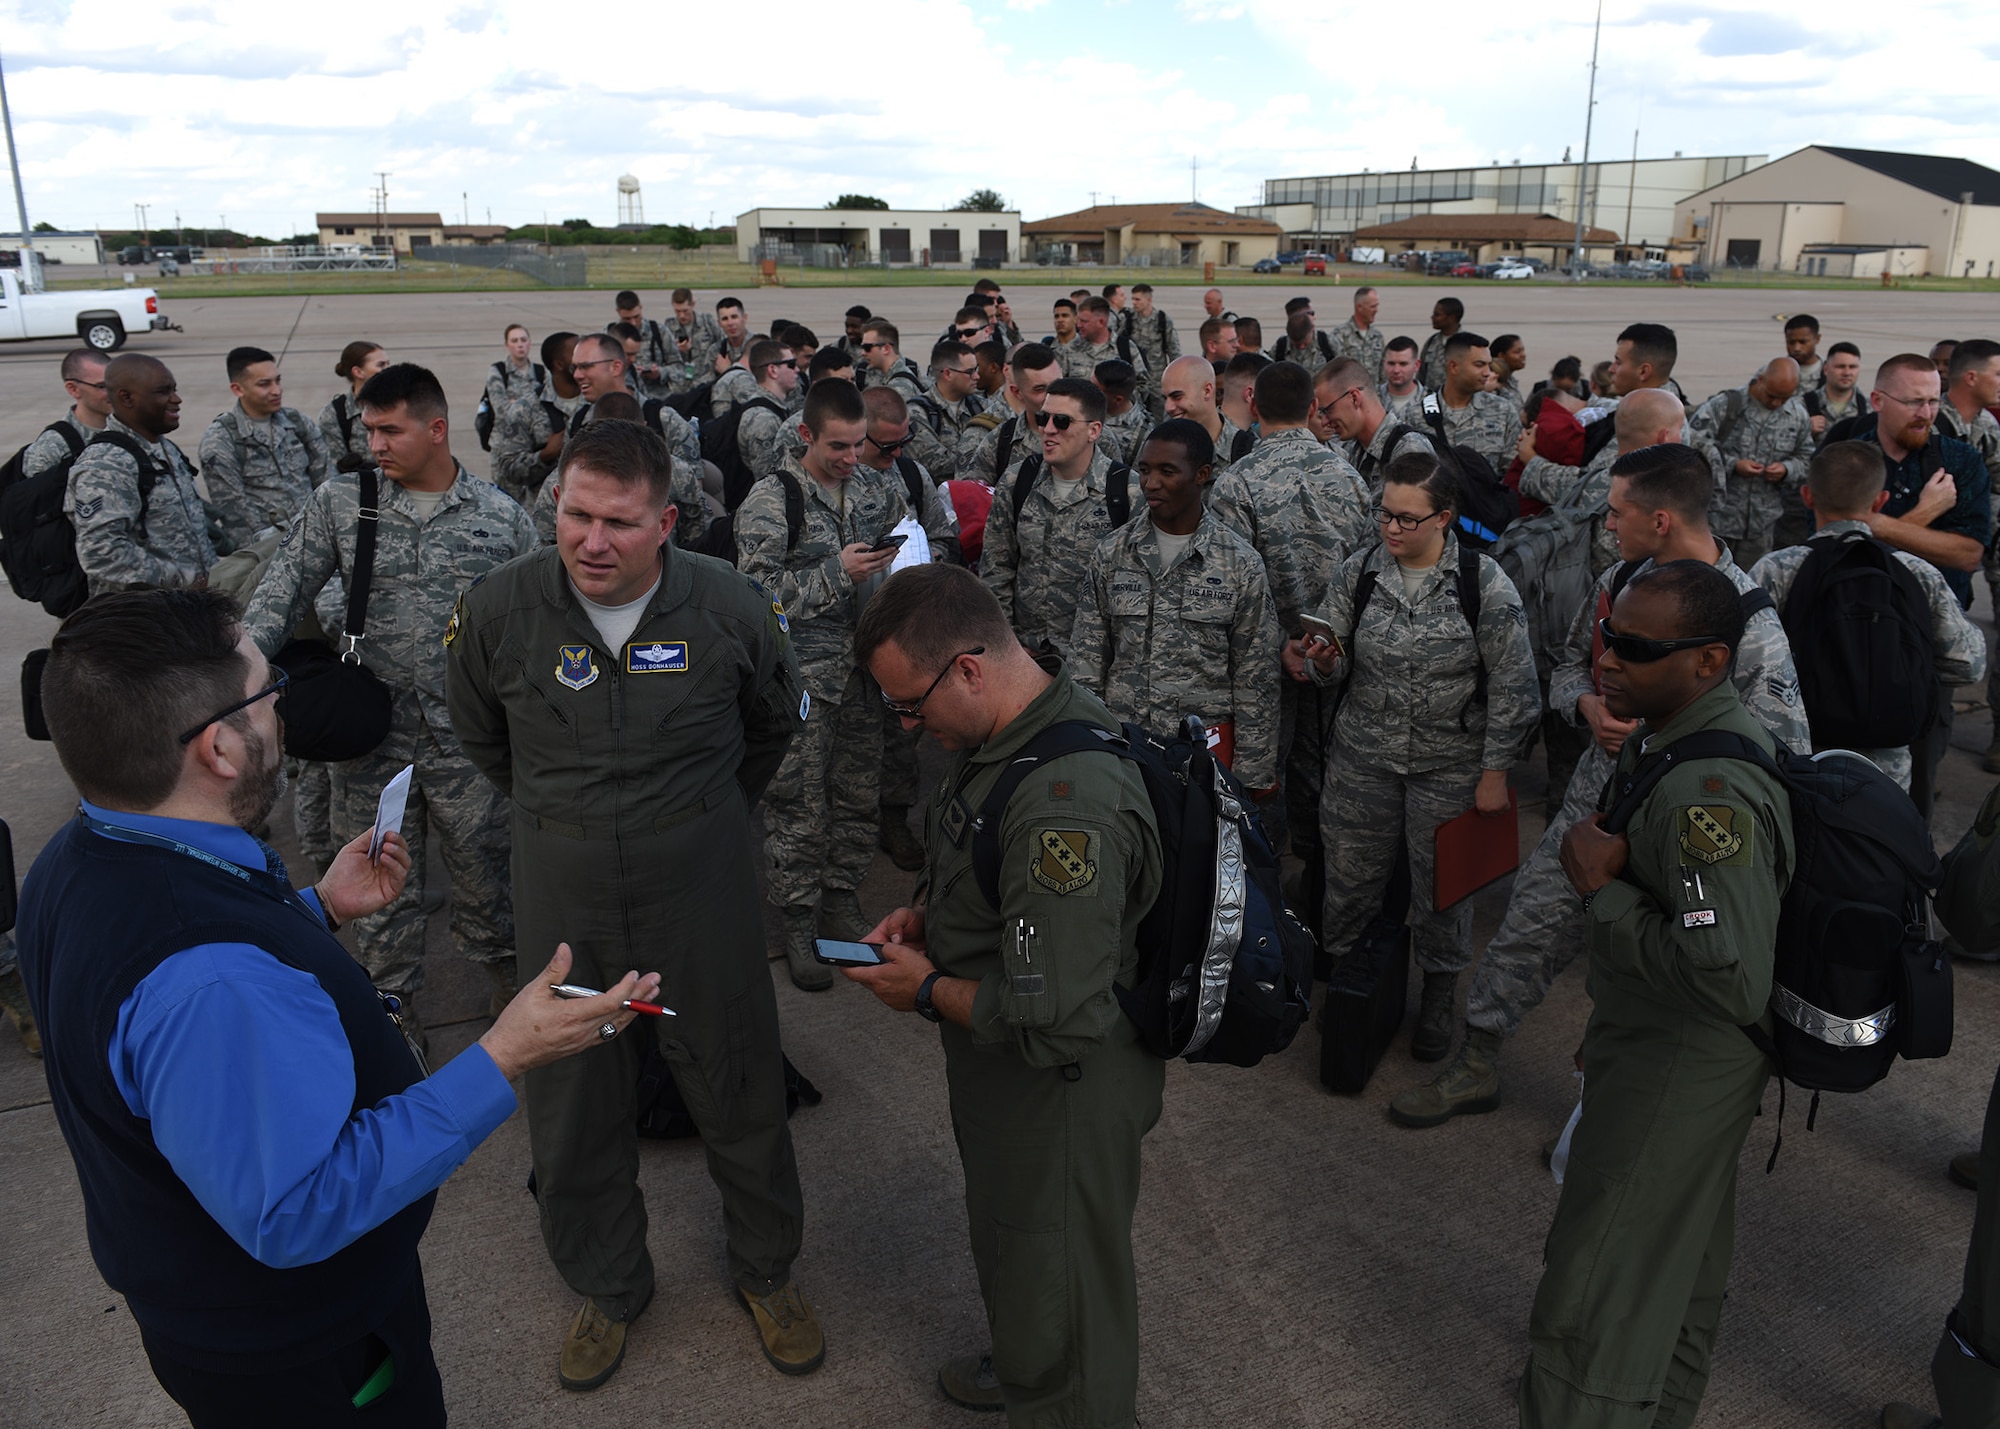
column 276, row 687
column 791, row 362
column 889, row 448
column 1921, row 404
column 1641, row 651
column 966, row 332
column 1400, row 521
column 871, row 346
column 1062, row 420
column 101, row 387
column 915, row 709
column 600, row 362
column 972, row 371
column 1326, row 412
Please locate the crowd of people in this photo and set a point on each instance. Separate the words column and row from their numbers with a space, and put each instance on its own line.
column 1295, row 543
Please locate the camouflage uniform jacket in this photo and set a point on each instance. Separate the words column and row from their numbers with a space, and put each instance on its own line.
column 704, row 340
column 732, row 388
column 1411, row 668
column 1369, row 460
column 507, row 384
column 760, row 437
column 1036, row 566
column 1225, row 443
column 1763, row 673
column 422, row 565
column 984, row 464
column 1156, row 338
column 939, row 431
column 1752, row 432
column 1302, row 509
column 1982, row 434
column 1957, row 645
column 1312, row 354
column 523, row 429
column 1080, row 359
column 1407, row 408
column 49, row 450
column 1490, row 424
column 1364, row 347
column 1198, row 637
column 656, row 349
column 340, row 423
column 123, row 544
column 808, row 581
column 1119, row 441
column 1430, row 362
column 903, row 377
column 684, row 491
column 1549, row 483
column 260, row 472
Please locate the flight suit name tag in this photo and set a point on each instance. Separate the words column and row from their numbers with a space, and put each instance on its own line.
column 574, row 666
column 656, row 657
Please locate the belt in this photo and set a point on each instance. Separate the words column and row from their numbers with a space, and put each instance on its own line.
column 682, row 815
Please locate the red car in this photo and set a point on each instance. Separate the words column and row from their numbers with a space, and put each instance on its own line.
column 1315, row 265
column 1465, row 270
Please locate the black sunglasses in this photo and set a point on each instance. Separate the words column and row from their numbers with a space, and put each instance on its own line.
column 1641, row 651
column 915, row 709
column 1062, row 420
column 889, row 448
column 276, row 687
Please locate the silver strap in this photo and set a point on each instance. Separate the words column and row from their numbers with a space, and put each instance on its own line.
column 1218, row 960
column 1834, row 1031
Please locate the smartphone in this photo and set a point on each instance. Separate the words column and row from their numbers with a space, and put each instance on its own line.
column 891, row 543
column 1316, row 629
column 837, row 954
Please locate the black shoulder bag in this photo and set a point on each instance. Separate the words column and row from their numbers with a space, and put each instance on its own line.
column 334, row 706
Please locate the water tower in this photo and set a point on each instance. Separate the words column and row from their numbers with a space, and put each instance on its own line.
column 631, row 210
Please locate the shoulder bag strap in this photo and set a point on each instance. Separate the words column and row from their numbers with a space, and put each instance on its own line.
column 363, row 574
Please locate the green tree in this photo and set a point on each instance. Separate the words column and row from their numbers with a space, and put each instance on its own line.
column 859, row 201
column 44, row 226
column 980, row 201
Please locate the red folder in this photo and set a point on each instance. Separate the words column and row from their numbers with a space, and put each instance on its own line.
column 1474, row 849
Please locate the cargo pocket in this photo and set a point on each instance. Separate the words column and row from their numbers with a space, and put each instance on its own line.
column 1031, row 1310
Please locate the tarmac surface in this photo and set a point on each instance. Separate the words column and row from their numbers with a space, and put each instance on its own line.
column 1302, row 1261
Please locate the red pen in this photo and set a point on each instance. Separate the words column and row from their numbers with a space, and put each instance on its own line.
column 653, row 1009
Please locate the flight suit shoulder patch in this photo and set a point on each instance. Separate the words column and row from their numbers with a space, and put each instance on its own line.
column 457, row 619
column 1064, row 862
column 1715, row 835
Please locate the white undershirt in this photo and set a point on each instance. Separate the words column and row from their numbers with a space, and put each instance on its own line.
column 425, row 501
column 1171, row 546
column 1413, row 579
column 615, row 623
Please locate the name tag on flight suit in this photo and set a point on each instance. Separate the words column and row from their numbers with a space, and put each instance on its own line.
column 656, row 657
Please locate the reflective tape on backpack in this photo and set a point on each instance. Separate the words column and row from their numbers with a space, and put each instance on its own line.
column 1834, row 1031
column 1225, row 929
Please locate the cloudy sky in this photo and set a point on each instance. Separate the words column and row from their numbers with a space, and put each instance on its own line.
column 267, row 113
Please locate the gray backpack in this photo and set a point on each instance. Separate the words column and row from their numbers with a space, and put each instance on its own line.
column 1547, row 556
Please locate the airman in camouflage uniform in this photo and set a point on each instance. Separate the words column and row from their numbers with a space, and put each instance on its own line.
column 123, row 542
column 1407, row 408
column 422, row 564
column 521, row 436
column 1542, row 930
column 703, row 337
column 942, row 435
column 1490, row 424
column 1411, row 741
column 1196, row 638
column 760, row 438
column 1119, row 441
column 345, row 436
column 1035, row 566
column 821, row 808
column 1154, row 335
column 685, row 491
column 1364, row 345
column 50, row 449
column 1957, row 645
column 259, row 473
column 732, row 388
column 1763, row 422
column 1304, row 511
column 508, row 382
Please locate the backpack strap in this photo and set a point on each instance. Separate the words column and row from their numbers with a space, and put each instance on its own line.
column 795, row 509
column 1755, row 599
column 363, row 574
column 1621, row 574
column 541, row 378
column 149, row 470
column 346, row 420
column 69, row 435
column 1632, row 789
column 1118, row 494
column 1241, row 444
column 1024, row 482
column 1468, row 605
column 1325, row 344
column 913, row 482
column 1006, row 452
column 1070, row 736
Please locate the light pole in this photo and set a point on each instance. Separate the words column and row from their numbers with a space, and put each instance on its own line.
column 1583, row 173
column 14, row 161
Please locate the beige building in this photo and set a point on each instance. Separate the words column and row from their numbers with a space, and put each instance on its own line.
column 1633, row 197
column 406, row 232
column 921, row 237
column 1488, row 236
column 1160, row 235
column 1852, row 212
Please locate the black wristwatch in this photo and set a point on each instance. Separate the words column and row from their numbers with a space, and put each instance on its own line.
column 927, row 1009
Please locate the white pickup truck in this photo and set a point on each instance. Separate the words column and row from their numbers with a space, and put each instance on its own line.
column 100, row 317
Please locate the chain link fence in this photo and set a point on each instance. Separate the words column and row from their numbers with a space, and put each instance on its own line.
column 554, row 270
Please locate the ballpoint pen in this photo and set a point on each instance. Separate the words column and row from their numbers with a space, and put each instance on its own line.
column 570, row 989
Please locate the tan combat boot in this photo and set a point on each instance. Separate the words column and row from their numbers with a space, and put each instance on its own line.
column 970, row 1383
column 808, row 973
column 594, row 1345
column 790, row 1330
column 1469, row 1084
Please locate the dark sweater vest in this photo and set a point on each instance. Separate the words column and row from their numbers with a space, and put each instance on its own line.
column 97, row 916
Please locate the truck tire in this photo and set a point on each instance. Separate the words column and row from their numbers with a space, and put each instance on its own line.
column 106, row 334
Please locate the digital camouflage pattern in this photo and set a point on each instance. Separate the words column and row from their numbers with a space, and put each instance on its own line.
column 259, row 473
column 124, row 544
column 1365, row 348
column 1036, row 566
column 1744, row 429
column 1490, row 424
column 1302, row 507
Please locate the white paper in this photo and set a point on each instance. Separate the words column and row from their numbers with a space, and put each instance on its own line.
column 916, row 551
column 389, row 809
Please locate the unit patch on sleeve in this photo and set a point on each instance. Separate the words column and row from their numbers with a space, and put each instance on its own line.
column 1715, row 834
column 655, row 657
column 1062, row 861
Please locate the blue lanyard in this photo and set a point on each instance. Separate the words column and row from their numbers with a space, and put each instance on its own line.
column 237, row 871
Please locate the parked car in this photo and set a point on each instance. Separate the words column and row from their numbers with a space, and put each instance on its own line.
column 1314, row 266
column 1268, row 265
column 100, row 318
column 1511, row 268
column 1467, row 269
column 1297, row 255
column 1447, row 261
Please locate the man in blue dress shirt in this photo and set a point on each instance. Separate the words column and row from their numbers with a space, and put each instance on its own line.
column 257, row 1145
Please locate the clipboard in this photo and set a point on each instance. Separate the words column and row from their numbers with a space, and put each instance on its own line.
column 1473, row 850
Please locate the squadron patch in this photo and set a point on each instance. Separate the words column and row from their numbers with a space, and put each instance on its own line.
column 574, row 666
column 1062, row 861
column 1715, row 834
column 784, row 625
column 652, row 657
column 451, row 626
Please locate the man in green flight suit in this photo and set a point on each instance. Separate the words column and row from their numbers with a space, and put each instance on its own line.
column 1051, row 1090
column 633, row 700
column 1680, row 917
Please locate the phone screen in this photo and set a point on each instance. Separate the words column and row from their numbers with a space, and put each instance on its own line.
column 889, row 544
column 846, row 955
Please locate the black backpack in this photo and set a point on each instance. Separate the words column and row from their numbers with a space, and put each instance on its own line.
column 693, row 403
column 1487, row 505
column 1281, row 349
column 1225, row 970
column 1857, row 979
column 482, row 419
column 1860, row 631
column 1117, row 490
column 1242, row 444
column 1597, row 436
column 37, row 541
column 719, row 445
